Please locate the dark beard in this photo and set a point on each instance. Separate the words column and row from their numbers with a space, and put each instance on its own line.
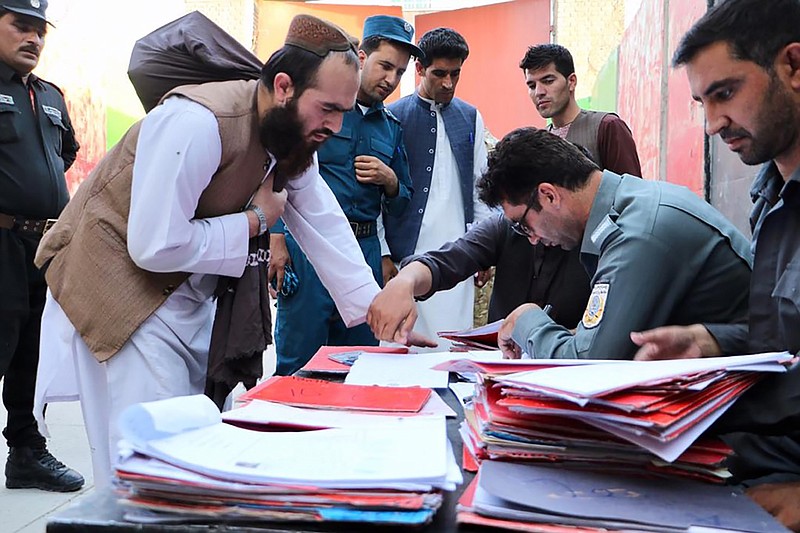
column 776, row 129
column 281, row 132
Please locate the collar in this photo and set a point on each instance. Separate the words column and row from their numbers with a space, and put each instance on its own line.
column 429, row 104
column 602, row 207
column 767, row 184
column 376, row 107
column 790, row 192
column 7, row 74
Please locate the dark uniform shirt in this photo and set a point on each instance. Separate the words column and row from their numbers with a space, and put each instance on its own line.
column 524, row 273
column 377, row 133
column 770, row 409
column 36, row 148
column 774, row 318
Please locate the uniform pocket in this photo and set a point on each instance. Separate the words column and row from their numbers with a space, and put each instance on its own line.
column 57, row 128
column 337, row 149
column 381, row 150
column 9, row 123
column 788, row 286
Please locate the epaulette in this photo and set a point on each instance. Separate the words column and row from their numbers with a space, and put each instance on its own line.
column 391, row 115
column 50, row 83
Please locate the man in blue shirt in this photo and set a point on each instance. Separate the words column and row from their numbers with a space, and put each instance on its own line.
column 366, row 167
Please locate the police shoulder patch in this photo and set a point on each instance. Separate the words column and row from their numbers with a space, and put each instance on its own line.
column 596, row 305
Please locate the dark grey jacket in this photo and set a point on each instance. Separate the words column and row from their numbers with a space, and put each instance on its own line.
column 523, row 273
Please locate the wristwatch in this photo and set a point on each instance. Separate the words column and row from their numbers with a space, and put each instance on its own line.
column 262, row 219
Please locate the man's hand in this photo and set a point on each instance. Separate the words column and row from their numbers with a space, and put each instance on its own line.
column 675, row 342
column 781, row 500
column 392, row 313
column 417, row 339
column 482, row 277
column 272, row 203
column 510, row 349
column 370, row 169
column 388, row 268
column 278, row 259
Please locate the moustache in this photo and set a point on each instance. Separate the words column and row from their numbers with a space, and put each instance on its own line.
column 733, row 133
column 32, row 49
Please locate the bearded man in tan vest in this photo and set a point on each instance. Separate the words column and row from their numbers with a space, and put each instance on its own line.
column 134, row 260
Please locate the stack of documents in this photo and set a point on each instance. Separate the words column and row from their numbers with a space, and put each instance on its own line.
column 613, row 416
column 543, row 499
column 289, row 402
column 482, row 338
column 185, row 464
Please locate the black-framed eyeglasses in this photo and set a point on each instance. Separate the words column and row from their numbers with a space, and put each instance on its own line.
column 521, row 227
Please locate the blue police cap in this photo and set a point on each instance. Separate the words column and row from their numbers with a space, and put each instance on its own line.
column 394, row 29
column 32, row 8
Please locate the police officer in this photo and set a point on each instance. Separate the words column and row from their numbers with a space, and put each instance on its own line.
column 37, row 144
column 655, row 252
column 366, row 167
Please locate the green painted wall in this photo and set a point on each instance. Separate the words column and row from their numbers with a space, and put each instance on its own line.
column 604, row 92
column 117, row 123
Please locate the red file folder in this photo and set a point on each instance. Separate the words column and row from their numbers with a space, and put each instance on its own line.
column 304, row 392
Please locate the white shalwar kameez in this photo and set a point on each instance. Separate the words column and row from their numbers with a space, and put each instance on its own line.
column 443, row 221
column 167, row 355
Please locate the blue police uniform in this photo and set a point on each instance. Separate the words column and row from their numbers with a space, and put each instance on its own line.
column 375, row 132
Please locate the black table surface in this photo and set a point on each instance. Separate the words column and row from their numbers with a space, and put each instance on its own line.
column 99, row 510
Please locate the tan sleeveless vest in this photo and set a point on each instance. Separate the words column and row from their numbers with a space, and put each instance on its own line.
column 103, row 293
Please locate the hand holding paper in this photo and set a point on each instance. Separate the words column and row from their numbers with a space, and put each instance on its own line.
column 510, row 349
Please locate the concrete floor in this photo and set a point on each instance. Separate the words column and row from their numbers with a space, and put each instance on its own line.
column 27, row 510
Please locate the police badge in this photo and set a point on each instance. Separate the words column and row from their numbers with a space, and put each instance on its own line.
column 596, row 305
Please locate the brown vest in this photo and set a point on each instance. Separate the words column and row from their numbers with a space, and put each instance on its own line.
column 90, row 273
column 583, row 131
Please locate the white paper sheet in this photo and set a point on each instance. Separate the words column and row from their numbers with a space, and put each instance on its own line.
column 270, row 413
column 408, row 451
column 463, row 391
column 598, row 379
column 398, row 371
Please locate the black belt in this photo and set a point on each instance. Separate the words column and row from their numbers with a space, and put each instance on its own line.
column 364, row 229
column 26, row 225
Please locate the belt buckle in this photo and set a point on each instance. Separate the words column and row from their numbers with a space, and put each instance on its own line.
column 49, row 223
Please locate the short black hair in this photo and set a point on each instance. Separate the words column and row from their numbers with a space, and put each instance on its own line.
column 540, row 55
column 527, row 157
column 756, row 30
column 444, row 43
column 300, row 65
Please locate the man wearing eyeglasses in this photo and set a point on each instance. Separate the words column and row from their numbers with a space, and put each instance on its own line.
column 655, row 252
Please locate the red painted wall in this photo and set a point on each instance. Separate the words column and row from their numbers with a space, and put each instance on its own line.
column 86, row 111
column 498, row 36
column 641, row 63
column 685, row 122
